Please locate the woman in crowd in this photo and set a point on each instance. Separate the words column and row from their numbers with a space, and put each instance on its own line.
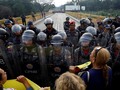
column 99, row 77
column 69, row 81
column 21, row 78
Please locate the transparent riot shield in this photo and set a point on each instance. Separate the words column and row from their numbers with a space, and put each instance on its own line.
column 5, row 62
column 43, row 64
column 30, row 63
column 71, row 50
column 16, row 55
column 47, row 51
column 34, row 65
column 59, row 61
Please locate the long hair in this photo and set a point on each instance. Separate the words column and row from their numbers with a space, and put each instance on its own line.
column 69, row 81
column 102, row 58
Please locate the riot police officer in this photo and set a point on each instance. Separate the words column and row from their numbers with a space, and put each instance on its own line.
column 73, row 34
column 31, row 26
column 114, row 62
column 66, row 24
column 84, row 23
column 30, row 57
column 14, row 48
column 5, row 61
column 109, row 21
column 82, row 53
column 8, row 25
column 105, row 37
column 17, row 32
column 49, row 31
column 59, row 59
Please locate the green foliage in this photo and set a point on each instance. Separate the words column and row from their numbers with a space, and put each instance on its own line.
column 100, row 5
column 19, row 7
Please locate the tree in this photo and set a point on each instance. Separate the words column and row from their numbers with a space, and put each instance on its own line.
column 5, row 12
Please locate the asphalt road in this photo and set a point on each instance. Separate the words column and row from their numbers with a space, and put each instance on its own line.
column 58, row 19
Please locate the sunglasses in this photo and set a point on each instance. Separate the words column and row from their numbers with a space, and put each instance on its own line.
column 97, row 49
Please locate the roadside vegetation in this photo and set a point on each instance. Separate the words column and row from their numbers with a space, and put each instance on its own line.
column 79, row 15
column 28, row 18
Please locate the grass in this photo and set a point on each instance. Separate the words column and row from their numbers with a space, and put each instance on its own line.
column 78, row 15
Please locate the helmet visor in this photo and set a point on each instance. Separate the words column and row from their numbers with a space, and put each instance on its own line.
column 25, row 39
column 85, row 43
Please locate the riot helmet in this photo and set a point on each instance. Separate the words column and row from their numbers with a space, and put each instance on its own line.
column 67, row 18
column 57, row 43
column 3, row 34
column 107, row 21
column 48, row 21
column 85, row 39
column 28, row 37
column 63, row 34
column 41, row 36
column 117, row 37
column 57, row 40
column 29, row 23
column 90, row 18
column 117, row 30
column 91, row 30
column 82, row 20
column 16, row 29
column 85, row 21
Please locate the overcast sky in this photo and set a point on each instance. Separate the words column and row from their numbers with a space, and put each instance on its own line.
column 60, row 2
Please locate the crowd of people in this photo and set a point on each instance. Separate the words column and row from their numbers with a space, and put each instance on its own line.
column 49, row 57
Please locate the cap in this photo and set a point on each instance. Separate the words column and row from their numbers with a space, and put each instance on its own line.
column 8, row 21
column 72, row 23
column 30, row 23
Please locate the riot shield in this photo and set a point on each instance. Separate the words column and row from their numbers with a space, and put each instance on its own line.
column 71, row 50
column 43, row 64
column 33, row 64
column 5, row 62
column 16, row 58
column 30, row 63
column 47, row 51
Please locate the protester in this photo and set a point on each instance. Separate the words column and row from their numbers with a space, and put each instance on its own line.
column 99, row 77
column 21, row 78
column 69, row 81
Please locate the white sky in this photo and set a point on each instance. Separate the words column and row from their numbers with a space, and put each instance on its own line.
column 59, row 2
